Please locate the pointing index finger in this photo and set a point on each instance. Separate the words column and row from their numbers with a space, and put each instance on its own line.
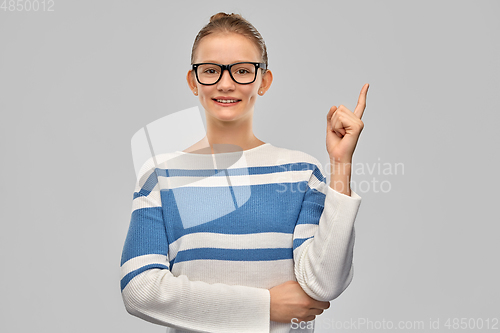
column 360, row 108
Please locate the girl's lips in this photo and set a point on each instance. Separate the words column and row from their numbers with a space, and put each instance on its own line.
column 225, row 104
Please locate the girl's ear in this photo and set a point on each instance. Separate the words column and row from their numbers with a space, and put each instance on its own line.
column 267, row 79
column 191, row 80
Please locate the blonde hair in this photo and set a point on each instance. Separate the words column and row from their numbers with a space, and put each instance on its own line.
column 227, row 23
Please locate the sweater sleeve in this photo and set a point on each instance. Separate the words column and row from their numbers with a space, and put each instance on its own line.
column 151, row 292
column 323, row 239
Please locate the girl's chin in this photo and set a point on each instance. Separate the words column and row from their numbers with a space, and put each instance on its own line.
column 225, row 116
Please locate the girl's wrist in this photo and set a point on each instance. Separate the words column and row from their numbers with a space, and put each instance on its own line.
column 340, row 177
column 340, row 167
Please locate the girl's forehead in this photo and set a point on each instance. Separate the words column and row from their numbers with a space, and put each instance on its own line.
column 226, row 47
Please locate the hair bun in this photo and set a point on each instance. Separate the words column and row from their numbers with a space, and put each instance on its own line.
column 220, row 15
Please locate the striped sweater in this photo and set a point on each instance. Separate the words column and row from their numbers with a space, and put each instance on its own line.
column 211, row 234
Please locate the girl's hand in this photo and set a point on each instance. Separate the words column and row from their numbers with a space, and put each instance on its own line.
column 289, row 301
column 343, row 129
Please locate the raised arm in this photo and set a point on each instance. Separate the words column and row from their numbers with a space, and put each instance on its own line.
column 151, row 292
column 324, row 234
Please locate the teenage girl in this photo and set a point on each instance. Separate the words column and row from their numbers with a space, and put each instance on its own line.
column 228, row 95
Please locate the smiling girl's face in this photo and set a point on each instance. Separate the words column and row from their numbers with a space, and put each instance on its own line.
column 226, row 49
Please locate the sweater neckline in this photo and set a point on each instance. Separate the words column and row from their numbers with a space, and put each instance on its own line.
column 244, row 151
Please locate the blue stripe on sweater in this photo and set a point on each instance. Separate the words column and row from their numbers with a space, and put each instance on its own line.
column 299, row 166
column 146, row 234
column 149, row 184
column 126, row 279
column 233, row 254
column 298, row 242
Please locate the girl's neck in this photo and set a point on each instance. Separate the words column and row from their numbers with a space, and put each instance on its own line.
column 238, row 133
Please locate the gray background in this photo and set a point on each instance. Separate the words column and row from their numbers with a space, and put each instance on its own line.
column 78, row 82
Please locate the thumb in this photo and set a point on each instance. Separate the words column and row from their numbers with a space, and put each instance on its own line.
column 329, row 118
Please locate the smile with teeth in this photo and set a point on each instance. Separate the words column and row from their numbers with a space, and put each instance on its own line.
column 226, row 100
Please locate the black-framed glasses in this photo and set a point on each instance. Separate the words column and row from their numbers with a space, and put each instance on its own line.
column 208, row 73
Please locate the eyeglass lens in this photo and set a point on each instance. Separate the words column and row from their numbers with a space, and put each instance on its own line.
column 242, row 73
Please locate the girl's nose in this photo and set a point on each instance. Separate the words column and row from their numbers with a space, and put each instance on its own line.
column 226, row 82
